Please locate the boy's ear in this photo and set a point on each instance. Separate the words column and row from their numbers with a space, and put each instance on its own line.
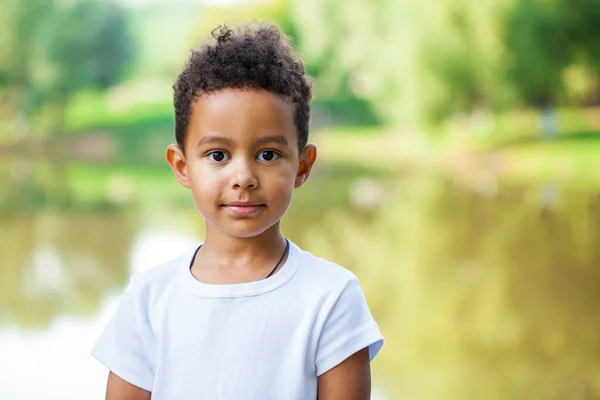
column 176, row 160
column 307, row 160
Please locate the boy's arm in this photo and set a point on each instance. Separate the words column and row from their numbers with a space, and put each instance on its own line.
column 349, row 380
column 119, row 389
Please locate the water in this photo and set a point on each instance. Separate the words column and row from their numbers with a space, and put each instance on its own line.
column 486, row 294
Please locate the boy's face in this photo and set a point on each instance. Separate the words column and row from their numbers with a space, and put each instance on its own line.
column 241, row 160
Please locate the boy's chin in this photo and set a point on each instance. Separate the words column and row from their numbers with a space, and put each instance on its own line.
column 245, row 229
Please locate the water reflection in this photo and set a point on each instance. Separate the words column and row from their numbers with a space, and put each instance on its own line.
column 58, row 262
column 480, row 293
column 482, row 297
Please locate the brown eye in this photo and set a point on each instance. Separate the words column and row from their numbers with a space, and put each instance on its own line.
column 268, row 155
column 217, row 156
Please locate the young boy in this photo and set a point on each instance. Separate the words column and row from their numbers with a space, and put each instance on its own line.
column 247, row 314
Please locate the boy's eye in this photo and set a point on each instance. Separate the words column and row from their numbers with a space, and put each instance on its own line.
column 267, row 155
column 218, row 156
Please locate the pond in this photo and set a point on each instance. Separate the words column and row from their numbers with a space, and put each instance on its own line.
column 480, row 294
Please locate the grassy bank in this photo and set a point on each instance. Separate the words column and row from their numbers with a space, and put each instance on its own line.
column 569, row 160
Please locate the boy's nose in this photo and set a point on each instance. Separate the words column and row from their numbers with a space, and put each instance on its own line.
column 244, row 178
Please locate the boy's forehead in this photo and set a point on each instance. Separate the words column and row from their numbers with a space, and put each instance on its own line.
column 241, row 112
column 230, row 100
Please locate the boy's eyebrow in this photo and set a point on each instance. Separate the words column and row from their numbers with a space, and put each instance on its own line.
column 276, row 138
column 214, row 139
column 263, row 140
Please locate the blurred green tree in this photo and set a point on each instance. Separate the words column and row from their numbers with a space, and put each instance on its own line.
column 462, row 58
column 19, row 24
column 49, row 51
column 413, row 61
column 417, row 62
column 536, row 36
column 547, row 38
column 584, row 33
column 553, row 55
column 89, row 44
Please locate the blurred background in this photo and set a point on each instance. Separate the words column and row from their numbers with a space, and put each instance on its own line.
column 458, row 179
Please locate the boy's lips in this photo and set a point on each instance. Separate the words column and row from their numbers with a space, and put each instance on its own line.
column 243, row 208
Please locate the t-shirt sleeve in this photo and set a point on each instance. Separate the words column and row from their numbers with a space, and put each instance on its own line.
column 349, row 327
column 120, row 346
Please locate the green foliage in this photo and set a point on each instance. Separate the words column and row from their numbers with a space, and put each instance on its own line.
column 538, row 39
column 461, row 59
column 412, row 61
column 51, row 50
column 352, row 49
column 407, row 63
column 88, row 44
column 549, row 41
column 18, row 35
column 419, row 62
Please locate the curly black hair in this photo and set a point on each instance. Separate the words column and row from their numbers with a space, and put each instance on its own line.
column 254, row 56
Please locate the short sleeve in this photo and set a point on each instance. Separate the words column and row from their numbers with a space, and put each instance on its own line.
column 120, row 346
column 349, row 327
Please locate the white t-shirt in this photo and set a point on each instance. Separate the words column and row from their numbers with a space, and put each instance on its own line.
column 183, row 339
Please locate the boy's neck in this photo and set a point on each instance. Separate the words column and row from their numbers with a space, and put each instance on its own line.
column 222, row 254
